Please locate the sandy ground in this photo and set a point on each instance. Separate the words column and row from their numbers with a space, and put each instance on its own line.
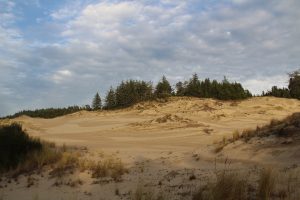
column 162, row 145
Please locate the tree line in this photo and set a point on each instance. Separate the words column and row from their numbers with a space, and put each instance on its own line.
column 130, row 92
column 49, row 112
column 292, row 91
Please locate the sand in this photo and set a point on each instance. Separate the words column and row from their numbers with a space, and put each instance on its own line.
column 162, row 145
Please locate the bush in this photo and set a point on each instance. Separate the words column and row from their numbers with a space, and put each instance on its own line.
column 15, row 145
column 228, row 186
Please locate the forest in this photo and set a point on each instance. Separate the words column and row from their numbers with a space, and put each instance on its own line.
column 130, row 92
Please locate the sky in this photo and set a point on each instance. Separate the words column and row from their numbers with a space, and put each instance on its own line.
column 55, row 53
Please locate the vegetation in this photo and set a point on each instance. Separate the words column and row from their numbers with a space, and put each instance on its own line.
column 293, row 90
column 131, row 92
column 278, row 92
column 48, row 112
column 97, row 103
column 163, row 88
column 134, row 91
column 212, row 89
column 21, row 153
column 288, row 127
column 15, row 145
column 230, row 186
column 294, row 84
column 128, row 93
column 110, row 100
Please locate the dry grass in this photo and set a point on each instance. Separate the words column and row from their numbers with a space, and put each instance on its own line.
column 287, row 127
column 228, row 186
column 270, row 185
column 235, row 135
column 111, row 167
column 142, row 193
column 68, row 162
column 48, row 155
column 266, row 184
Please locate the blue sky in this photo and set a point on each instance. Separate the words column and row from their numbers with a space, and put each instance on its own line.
column 61, row 52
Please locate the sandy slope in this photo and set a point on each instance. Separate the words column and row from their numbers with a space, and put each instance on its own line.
column 176, row 136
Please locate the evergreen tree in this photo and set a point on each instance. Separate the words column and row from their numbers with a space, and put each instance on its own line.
column 278, row 92
column 110, row 100
column 193, row 87
column 294, row 84
column 97, row 104
column 163, row 88
column 180, row 89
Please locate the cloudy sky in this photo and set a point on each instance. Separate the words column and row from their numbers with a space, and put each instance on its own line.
column 60, row 52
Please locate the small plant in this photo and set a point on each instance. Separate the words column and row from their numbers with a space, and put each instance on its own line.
column 228, row 186
column 110, row 167
column 235, row 135
column 266, row 184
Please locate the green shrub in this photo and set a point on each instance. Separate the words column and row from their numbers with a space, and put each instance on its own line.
column 15, row 144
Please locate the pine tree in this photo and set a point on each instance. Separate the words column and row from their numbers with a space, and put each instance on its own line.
column 110, row 100
column 294, row 84
column 180, row 89
column 163, row 88
column 97, row 104
column 194, row 87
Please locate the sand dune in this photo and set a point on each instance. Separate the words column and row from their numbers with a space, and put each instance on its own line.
column 162, row 138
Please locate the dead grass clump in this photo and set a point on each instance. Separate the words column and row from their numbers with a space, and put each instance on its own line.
column 171, row 118
column 36, row 160
column 234, row 103
column 228, row 186
column 67, row 164
column 208, row 130
column 111, row 167
column 219, row 148
column 221, row 145
column 266, row 184
column 207, row 108
column 235, row 135
column 164, row 119
column 142, row 193
column 247, row 134
column 285, row 128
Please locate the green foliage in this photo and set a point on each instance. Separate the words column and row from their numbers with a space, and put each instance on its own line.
column 278, row 92
column 110, row 100
column 212, row 89
column 180, row 88
column 48, row 112
column 131, row 92
column 163, row 88
column 15, row 144
column 97, row 104
column 294, row 84
column 293, row 90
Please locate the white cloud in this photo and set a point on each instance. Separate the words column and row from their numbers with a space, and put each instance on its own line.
column 100, row 44
column 61, row 75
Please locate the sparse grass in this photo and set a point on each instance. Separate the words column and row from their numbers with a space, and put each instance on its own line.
column 20, row 153
column 235, row 135
column 266, row 184
column 112, row 167
column 287, row 127
column 66, row 164
column 208, row 130
column 270, row 184
column 228, row 186
column 15, row 146
column 142, row 193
